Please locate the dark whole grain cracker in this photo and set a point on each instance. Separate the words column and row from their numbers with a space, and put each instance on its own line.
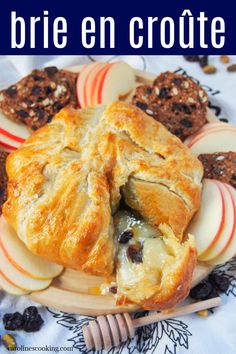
column 37, row 97
column 176, row 101
column 220, row 166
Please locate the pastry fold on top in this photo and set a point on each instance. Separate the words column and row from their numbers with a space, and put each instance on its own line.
column 67, row 179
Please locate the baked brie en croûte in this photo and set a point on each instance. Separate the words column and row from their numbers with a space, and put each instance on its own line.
column 65, row 186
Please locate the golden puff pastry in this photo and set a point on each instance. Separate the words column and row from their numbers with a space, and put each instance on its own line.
column 67, row 179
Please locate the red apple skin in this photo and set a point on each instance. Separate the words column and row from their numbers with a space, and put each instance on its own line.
column 86, row 104
column 100, row 90
column 9, row 281
column 11, row 260
column 97, row 81
column 221, row 225
column 234, row 225
column 234, row 228
column 12, row 148
column 207, row 132
column 11, row 136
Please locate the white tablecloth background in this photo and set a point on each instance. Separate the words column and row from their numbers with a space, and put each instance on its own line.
column 61, row 332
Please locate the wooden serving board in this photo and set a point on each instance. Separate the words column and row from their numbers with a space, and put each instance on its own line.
column 73, row 291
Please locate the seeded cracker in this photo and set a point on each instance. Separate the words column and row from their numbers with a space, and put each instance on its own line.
column 176, row 101
column 36, row 98
column 3, row 179
column 220, row 166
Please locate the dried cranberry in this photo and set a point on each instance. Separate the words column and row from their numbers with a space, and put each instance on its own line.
column 221, row 282
column 186, row 122
column 11, row 91
column 125, row 236
column 51, row 70
column 164, row 92
column 142, row 105
column 13, row 321
column 135, row 253
column 202, row 291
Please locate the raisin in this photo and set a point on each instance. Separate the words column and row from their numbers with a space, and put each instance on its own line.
column 9, row 342
column 233, row 177
column 50, row 118
column 202, row 291
column 191, row 58
column 177, row 81
column 57, row 106
column 32, row 321
column 48, row 90
column 125, row 236
column 34, row 127
column 13, row 321
column 203, row 61
column 37, row 77
column 40, row 98
column 164, row 92
column 181, row 107
column 22, row 113
column 51, row 70
column 178, row 132
column 135, row 253
column 186, row 122
column 11, row 91
column 113, row 289
column 142, row 105
column 149, row 90
column 35, row 90
column 39, row 112
column 221, row 282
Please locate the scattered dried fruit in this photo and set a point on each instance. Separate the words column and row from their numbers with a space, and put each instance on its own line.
column 209, row 69
column 32, row 319
column 203, row 61
column 203, row 313
column 231, row 68
column 13, row 321
column 135, row 253
column 202, row 291
column 9, row 342
column 125, row 236
column 221, row 282
column 224, row 59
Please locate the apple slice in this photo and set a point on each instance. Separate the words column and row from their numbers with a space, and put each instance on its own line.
column 206, row 127
column 223, row 140
column 19, row 279
column 228, row 227
column 13, row 130
column 207, row 223
column 8, row 142
column 118, row 81
column 230, row 250
column 211, row 131
column 81, row 83
column 98, row 82
column 10, row 288
column 90, row 83
column 21, row 258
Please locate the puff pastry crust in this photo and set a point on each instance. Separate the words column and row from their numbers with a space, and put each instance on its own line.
column 67, row 179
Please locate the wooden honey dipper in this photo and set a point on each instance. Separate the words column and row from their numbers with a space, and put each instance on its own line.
column 111, row 330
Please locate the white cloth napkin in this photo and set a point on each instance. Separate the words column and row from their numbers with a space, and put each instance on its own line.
column 61, row 332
